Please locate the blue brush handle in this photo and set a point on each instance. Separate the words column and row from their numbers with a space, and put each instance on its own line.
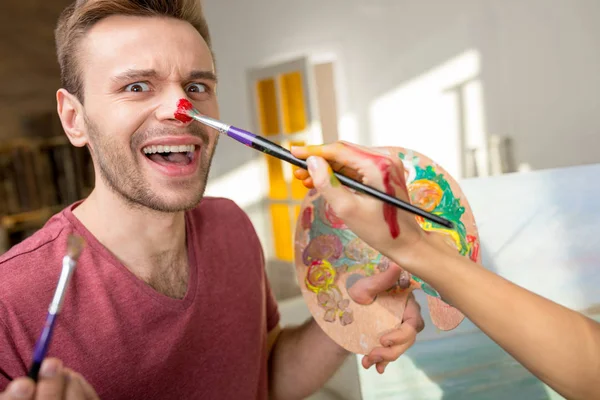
column 41, row 347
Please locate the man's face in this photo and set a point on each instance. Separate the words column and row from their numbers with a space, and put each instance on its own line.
column 134, row 70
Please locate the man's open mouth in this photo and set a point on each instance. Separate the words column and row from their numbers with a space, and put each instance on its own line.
column 179, row 155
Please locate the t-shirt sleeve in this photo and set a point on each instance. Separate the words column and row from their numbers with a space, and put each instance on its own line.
column 273, row 315
column 272, row 309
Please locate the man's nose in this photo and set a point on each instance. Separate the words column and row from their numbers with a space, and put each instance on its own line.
column 171, row 108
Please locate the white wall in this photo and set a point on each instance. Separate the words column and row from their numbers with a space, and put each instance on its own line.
column 538, row 60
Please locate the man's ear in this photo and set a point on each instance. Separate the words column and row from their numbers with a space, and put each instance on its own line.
column 70, row 112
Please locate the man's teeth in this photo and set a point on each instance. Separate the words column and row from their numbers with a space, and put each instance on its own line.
column 169, row 149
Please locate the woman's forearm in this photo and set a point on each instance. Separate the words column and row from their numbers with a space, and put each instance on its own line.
column 558, row 345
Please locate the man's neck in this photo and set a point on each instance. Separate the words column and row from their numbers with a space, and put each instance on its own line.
column 150, row 244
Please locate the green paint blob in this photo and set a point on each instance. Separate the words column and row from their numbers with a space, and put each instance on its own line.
column 449, row 207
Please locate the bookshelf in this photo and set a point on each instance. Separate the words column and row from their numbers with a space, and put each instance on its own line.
column 38, row 177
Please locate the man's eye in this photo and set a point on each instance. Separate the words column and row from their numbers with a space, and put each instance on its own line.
column 197, row 88
column 137, row 87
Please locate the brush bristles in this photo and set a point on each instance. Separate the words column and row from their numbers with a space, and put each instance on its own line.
column 74, row 246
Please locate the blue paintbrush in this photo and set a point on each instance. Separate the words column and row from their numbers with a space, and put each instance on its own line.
column 74, row 247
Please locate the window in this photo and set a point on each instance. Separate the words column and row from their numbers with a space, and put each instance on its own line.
column 284, row 100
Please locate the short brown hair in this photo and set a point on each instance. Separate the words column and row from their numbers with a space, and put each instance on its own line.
column 81, row 15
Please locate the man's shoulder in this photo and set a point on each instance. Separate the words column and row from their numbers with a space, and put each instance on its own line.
column 28, row 261
column 40, row 241
column 225, row 222
column 217, row 203
column 219, row 209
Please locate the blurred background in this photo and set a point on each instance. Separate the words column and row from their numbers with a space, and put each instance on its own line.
column 485, row 88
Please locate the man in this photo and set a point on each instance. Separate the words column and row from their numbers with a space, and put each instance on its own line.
column 170, row 298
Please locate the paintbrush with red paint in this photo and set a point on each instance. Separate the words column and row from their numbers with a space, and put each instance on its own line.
column 186, row 113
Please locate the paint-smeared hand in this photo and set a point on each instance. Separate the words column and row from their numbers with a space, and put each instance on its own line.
column 397, row 342
column 55, row 383
column 383, row 226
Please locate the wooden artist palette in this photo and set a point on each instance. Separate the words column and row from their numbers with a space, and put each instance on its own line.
column 330, row 258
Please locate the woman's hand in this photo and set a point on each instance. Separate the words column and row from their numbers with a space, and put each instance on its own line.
column 383, row 226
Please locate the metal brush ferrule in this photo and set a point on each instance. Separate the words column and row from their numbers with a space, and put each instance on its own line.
column 68, row 266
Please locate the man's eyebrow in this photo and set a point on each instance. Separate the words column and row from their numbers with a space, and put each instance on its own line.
column 207, row 75
column 139, row 74
column 135, row 74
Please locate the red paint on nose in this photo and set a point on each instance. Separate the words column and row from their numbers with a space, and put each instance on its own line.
column 183, row 106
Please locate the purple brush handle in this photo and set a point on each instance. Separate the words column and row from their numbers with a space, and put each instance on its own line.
column 41, row 347
column 275, row 150
column 241, row 135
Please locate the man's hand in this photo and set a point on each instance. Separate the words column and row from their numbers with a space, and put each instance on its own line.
column 55, row 383
column 397, row 342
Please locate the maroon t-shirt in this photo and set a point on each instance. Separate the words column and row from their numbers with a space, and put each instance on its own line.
column 131, row 342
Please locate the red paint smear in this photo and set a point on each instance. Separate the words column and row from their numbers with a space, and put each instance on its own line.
column 183, row 106
column 475, row 253
column 390, row 212
column 306, row 218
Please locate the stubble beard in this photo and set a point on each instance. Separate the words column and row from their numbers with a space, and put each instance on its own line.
column 122, row 175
